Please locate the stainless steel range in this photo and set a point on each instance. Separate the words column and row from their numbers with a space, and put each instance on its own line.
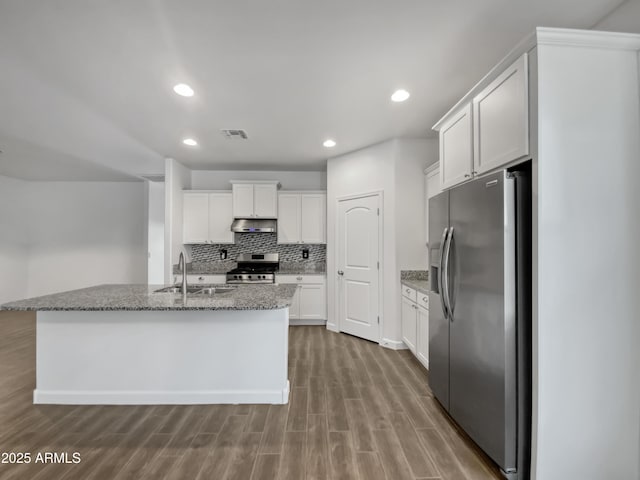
column 255, row 268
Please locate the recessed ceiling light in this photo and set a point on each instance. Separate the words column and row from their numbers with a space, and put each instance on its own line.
column 190, row 141
column 400, row 95
column 329, row 143
column 183, row 89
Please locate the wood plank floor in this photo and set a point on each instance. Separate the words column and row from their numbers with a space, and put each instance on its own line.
column 357, row 411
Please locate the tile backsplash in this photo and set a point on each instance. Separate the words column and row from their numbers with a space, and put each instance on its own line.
column 257, row 243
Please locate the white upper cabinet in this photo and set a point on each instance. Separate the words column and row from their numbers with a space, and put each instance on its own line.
column 195, row 217
column 255, row 200
column 207, row 217
column 265, row 201
column 302, row 217
column 456, row 148
column 288, row 218
column 243, row 200
column 490, row 129
column 220, row 217
column 501, row 119
column 313, row 223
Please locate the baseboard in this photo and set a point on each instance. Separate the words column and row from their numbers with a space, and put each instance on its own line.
column 332, row 327
column 298, row 323
column 423, row 361
column 393, row 344
column 276, row 397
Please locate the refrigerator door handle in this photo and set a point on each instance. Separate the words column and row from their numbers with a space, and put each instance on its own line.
column 446, row 258
column 443, row 242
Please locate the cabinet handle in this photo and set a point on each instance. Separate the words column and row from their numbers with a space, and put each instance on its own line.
column 340, row 272
column 474, row 173
column 408, row 291
column 298, row 278
column 466, row 175
column 425, row 299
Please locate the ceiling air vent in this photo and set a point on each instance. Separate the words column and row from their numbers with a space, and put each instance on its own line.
column 234, row 134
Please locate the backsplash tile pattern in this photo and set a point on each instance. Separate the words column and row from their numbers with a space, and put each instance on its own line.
column 257, row 243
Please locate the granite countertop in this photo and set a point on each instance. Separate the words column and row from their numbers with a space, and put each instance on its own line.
column 143, row 298
column 302, row 268
column 416, row 279
column 211, row 268
column 420, row 285
column 286, row 268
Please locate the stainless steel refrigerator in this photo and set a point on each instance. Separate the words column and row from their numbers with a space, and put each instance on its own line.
column 480, row 313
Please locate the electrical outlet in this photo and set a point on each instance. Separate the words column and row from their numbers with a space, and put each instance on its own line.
column 223, row 254
column 305, row 253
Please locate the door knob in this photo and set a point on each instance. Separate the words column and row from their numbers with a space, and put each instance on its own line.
column 340, row 272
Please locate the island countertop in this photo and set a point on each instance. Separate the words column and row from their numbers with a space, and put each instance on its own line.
column 144, row 298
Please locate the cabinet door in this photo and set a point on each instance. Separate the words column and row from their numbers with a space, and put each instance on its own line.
column 195, row 279
column 288, row 218
column 265, row 201
column 313, row 302
column 501, row 119
column 294, row 309
column 242, row 200
column 456, row 148
column 195, row 217
column 422, row 341
column 220, row 217
column 313, row 220
column 409, row 324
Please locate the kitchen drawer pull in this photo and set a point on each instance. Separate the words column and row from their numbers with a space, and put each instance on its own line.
column 425, row 299
column 298, row 278
column 201, row 278
column 408, row 291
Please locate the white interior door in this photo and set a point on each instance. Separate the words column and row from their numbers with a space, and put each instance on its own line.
column 358, row 266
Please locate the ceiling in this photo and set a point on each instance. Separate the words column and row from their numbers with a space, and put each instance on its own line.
column 86, row 87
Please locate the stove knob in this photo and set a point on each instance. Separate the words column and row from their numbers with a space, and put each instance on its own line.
column 235, row 276
column 249, row 276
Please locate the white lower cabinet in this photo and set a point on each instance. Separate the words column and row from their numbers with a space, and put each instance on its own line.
column 422, row 340
column 309, row 305
column 409, row 323
column 195, row 279
column 415, row 323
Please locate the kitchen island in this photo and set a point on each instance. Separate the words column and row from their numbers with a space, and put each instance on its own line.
column 128, row 344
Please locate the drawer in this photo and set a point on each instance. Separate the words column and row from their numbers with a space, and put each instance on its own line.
column 303, row 279
column 204, row 279
column 423, row 300
column 409, row 292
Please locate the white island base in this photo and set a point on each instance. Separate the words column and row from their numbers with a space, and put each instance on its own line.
column 162, row 357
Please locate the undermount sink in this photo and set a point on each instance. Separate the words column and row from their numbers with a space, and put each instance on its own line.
column 199, row 290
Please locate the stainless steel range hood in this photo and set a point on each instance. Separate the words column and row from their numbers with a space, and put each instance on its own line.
column 248, row 225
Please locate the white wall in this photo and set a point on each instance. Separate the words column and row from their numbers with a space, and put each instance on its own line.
column 219, row 179
column 412, row 157
column 85, row 233
column 155, row 232
column 13, row 240
column 177, row 178
column 386, row 167
column 625, row 18
column 588, row 329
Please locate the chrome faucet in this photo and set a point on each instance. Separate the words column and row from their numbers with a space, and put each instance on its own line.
column 182, row 266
